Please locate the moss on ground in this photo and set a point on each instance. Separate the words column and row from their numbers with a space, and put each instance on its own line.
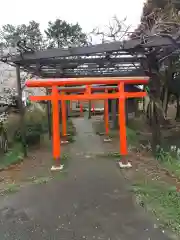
column 13, row 156
column 162, row 200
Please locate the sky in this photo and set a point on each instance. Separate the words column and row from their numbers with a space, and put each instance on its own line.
column 89, row 14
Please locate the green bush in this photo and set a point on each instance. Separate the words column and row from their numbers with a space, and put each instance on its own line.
column 35, row 125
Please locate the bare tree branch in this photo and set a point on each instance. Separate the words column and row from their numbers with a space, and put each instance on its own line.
column 116, row 30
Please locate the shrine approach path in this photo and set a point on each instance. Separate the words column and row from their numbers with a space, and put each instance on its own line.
column 91, row 202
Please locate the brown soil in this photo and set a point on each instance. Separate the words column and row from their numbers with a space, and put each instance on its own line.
column 144, row 164
column 36, row 165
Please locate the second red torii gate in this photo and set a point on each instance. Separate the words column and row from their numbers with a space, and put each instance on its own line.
column 55, row 97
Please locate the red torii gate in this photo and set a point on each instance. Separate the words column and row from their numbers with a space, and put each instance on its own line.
column 55, row 97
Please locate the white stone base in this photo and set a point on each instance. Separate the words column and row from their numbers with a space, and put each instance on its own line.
column 64, row 142
column 57, row 168
column 107, row 140
column 101, row 133
column 127, row 165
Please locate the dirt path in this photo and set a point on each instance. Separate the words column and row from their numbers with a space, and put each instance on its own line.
column 91, row 202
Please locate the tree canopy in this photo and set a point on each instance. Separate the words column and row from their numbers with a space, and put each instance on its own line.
column 159, row 16
column 30, row 32
column 58, row 34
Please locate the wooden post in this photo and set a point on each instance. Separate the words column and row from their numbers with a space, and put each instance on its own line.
column 93, row 108
column 122, row 128
column 56, row 121
column 89, row 109
column 64, row 121
column 71, row 104
column 64, row 118
column 114, row 113
column 22, row 111
column 106, row 119
column 121, row 95
column 81, row 108
column 49, row 116
column 68, row 110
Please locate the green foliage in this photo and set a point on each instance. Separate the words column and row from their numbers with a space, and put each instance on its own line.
column 131, row 136
column 170, row 160
column 58, row 34
column 13, row 156
column 35, row 124
column 164, row 156
column 41, row 180
column 30, row 33
column 62, row 34
column 162, row 201
column 10, row 188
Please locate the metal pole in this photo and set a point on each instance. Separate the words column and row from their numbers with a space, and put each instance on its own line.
column 22, row 111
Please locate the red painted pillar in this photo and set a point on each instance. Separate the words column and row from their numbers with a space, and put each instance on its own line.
column 56, row 122
column 122, row 123
column 64, row 118
column 106, row 116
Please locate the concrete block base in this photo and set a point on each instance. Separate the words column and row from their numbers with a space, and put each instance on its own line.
column 57, row 168
column 125, row 165
column 107, row 140
column 64, row 142
column 101, row 133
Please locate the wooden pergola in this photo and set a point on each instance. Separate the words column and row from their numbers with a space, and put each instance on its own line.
column 95, row 64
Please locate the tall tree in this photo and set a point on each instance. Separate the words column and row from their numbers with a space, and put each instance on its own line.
column 30, row 33
column 158, row 16
column 61, row 34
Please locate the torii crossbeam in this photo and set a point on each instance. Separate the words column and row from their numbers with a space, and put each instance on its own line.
column 88, row 94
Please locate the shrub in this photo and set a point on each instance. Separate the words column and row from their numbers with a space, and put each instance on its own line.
column 35, row 124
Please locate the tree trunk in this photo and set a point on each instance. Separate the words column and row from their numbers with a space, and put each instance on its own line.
column 178, row 109
column 156, row 133
column 155, row 98
column 165, row 100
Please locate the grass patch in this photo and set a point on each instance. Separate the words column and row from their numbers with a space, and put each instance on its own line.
column 71, row 138
column 14, row 156
column 41, row 180
column 173, row 168
column 60, row 175
column 170, row 161
column 162, row 200
column 132, row 137
column 64, row 159
column 114, row 155
column 10, row 188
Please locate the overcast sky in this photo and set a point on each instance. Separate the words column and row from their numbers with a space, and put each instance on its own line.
column 89, row 14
